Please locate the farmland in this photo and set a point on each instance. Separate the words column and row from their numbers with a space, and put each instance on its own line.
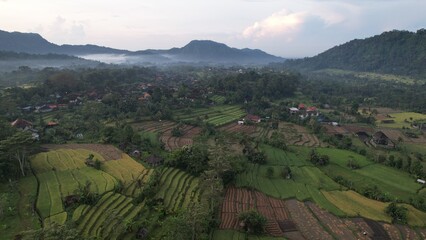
column 107, row 217
column 293, row 219
column 317, row 183
column 62, row 171
column 400, row 120
column 216, row 115
column 178, row 189
column 164, row 130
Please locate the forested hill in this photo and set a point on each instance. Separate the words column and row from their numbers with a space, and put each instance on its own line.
column 395, row 52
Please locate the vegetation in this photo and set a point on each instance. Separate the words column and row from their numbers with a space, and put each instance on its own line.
column 252, row 222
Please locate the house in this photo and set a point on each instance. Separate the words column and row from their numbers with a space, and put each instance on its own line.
column 43, row 109
column 421, row 181
column 252, row 118
column 136, row 153
column 312, row 111
column 293, row 110
column 25, row 125
column 301, row 106
column 51, row 124
column 380, row 139
column 145, row 96
column 240, row 122
column 22, row 124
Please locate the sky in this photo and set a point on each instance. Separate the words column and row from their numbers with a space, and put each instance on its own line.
column 287, row 28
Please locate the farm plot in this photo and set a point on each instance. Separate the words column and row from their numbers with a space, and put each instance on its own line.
column 306, row 222
column 188, row 134
column 395, row 135
column 108, row 152
column 178, row 189
column 403, row 119
column 304, row 185
column 342, row 157
column 62, row 171
column 216, row 115
column 164, row 129
column 107, row 218
column 387, row 180
column 354, row 204
column 125, row 169
column 239, row 128
column 298, row 135
column 239, row 199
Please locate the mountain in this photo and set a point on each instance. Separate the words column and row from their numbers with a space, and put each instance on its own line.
column 207, row 51
column 35, row 44
column 394, row 52
column 197, row 51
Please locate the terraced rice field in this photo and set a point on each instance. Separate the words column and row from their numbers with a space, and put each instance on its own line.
column 164, row 130
column 107, row 218
column 239, row 128
column 178, row 189
column 61, row 172
column 216, row 115
column 298, row 135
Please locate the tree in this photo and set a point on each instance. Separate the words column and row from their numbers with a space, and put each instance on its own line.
column 252, row 221
column 16, row 149
column 397, row 213
column 187, row 224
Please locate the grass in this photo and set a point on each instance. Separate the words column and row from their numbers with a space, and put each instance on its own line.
column 354, row 204
column 304, row 185
column 279, row 157
column 341, row 157
column 403, row 119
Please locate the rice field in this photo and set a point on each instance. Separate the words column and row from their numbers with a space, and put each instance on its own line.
column 403, row 119
column 216, row 115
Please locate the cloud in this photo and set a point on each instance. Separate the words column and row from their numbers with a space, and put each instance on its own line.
column 65, row 31
column 278, row 23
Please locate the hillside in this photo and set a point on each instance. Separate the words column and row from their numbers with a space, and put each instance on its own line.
column 395, row 52
column 197, row 51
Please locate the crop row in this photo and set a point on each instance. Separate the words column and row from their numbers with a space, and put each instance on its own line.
column 125, row 169
column 107, row 217
column 178, row 189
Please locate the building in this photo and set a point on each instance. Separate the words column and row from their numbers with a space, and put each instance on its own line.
column 380, row 139
column 252, row 118
column 22, row 124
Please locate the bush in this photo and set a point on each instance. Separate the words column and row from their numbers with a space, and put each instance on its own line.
column 397, row 213
column 252, row 222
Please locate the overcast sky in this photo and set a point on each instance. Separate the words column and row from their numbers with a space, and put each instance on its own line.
column 288, row 28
